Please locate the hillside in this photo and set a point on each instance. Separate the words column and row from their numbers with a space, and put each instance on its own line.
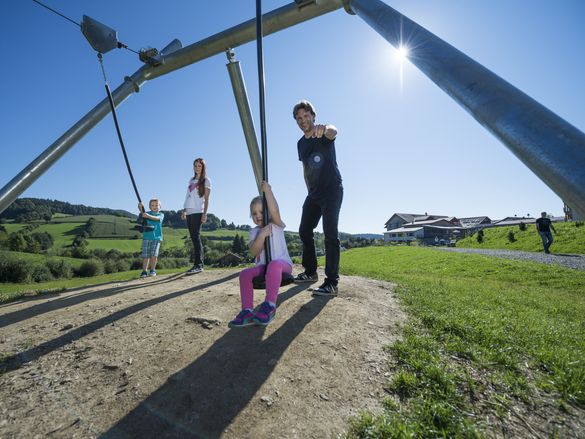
column 570, row 238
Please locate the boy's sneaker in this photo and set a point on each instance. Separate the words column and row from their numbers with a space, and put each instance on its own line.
column 304, row 277
column 152, row 273
column 194, row 270
column 244, row 318
column 264, row 314
column 143, row 274
column 327, row 289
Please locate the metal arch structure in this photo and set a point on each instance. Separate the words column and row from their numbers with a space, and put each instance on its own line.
column 547, row 144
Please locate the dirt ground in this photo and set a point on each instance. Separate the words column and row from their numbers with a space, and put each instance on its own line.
column 155, row 358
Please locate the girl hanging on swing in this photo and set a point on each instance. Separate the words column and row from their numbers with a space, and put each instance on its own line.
column 195, row 210
column 279, row 263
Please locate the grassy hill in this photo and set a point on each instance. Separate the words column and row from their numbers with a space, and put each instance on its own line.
column 113, row 232
column 569, row 239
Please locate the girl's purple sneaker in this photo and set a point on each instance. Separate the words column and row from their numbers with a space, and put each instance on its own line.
column 244, row 318
column 264, row 314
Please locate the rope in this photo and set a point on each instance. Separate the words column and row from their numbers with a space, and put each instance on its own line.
column 267, row 251
column 112, row 106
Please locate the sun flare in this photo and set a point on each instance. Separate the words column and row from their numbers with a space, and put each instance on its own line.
column 402, row 53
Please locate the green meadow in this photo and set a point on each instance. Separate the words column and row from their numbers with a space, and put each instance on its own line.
column 570, row 238
column 485, row 336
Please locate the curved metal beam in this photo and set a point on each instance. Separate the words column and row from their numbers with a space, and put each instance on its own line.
column 551, row 147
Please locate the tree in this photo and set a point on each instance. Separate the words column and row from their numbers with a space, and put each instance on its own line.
column 239, row 245
column 44, row 239
column 480, row 236
column 17, row 242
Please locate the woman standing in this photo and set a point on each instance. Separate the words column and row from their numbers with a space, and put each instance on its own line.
column 195, row 210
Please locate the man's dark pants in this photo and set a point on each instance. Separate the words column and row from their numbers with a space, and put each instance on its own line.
column 547, row 240
column 313, row 210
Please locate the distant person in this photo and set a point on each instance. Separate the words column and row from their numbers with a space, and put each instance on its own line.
column 151, row 239
column 543, row 226
column 280, row 262
column 325, row 193
column 195, row 210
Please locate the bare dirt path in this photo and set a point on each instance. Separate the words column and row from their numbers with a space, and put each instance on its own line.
column 146, row 358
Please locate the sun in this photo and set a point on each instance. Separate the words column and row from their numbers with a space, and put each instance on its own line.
column 402, row 53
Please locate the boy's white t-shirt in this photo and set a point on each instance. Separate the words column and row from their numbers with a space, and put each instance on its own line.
column 193, row 202
column 277, row 245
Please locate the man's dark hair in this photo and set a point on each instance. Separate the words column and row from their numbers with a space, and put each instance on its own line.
column 304, row 105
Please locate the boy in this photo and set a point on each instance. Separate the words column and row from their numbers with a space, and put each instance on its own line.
column 151, row 240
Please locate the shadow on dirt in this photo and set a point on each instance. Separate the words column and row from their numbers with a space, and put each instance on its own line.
column 201, row 400
column 70, row 299
column 78, row 333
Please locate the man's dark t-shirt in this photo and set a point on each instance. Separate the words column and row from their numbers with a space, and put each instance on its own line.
column 543, row 224
column 320, row 165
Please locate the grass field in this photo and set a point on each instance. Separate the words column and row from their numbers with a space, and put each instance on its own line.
column 9, row 291
column 487, row 338
column 486, row 335
column 569, row 239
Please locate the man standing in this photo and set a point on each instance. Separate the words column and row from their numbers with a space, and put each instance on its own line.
column 325, row 193
column 543, row 226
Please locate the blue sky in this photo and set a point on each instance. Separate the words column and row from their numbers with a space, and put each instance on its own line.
column 402, row 146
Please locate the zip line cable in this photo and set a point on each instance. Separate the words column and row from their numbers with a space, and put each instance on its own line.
column 119, row 44
column 56, row 12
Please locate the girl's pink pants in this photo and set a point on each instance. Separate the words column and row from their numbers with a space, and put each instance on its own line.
column 273, row 278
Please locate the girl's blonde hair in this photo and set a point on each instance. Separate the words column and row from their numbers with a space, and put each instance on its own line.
column 255, row 200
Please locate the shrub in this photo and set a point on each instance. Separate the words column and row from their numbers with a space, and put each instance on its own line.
column 479, row 236
column 41, row 273
column 136, row 264
column 522, row 226
column 91, row 267
column 578, row 223
column 14, row 270
column 60, row 269
column 511, row 236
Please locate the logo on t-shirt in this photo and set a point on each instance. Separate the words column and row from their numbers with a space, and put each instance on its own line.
column 316, row 160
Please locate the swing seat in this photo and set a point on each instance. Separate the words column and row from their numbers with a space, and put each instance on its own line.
column 143, row 228
column 259, row 282
column 142, row 225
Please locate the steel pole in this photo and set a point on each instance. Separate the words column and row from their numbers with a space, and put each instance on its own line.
column 243, row 104
column 55, row 151
column 551, row 147
column 272, row 22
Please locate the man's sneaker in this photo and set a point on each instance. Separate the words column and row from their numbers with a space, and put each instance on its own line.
column 143, row 274
column 264, row 314
column 194, row 270
column 304, row 277
column 152, row 273
column 244, row 318
column 327, row 289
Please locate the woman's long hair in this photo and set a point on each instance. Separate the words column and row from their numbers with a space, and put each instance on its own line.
column 202, row 177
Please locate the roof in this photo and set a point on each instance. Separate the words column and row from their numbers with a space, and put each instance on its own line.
column 474, row 220
column 404, row 229
column 408, row 217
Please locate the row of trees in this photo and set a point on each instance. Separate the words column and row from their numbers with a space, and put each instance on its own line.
column 26, row 210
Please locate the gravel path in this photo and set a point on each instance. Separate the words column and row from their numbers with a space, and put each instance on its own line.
column 576, row 262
